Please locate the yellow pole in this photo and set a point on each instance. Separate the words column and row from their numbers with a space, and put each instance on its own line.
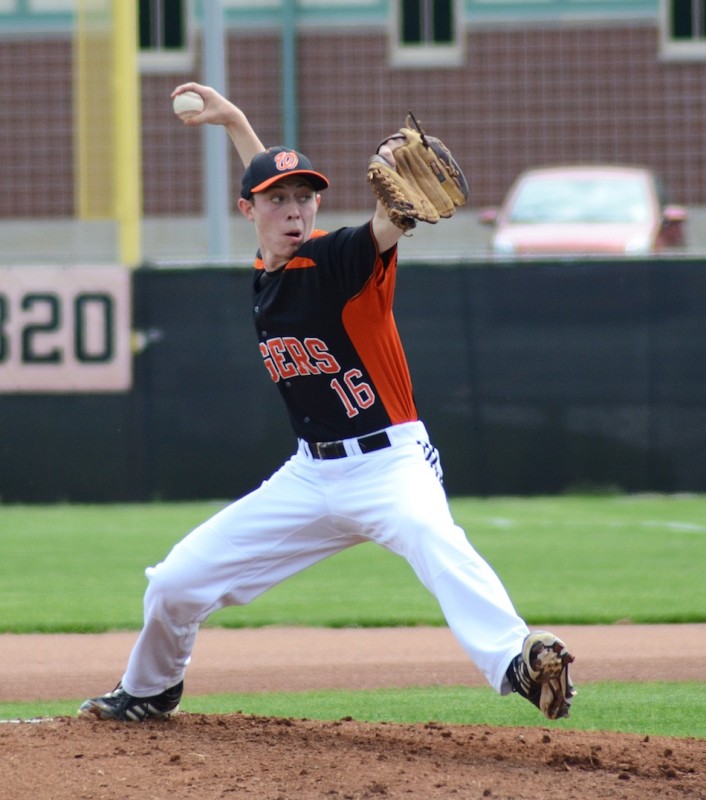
column 128, row 127
column 93, row 117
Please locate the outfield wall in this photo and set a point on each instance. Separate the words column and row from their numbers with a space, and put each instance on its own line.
column 540, row 378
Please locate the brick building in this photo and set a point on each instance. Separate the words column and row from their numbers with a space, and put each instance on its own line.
column 506, row 83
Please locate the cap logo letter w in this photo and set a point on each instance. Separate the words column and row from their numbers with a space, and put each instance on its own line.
column 286, row 160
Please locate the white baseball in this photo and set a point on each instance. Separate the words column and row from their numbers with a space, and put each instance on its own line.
column 188, row 104
column 385, row 151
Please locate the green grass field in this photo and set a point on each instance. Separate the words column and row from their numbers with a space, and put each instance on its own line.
column 617, row 558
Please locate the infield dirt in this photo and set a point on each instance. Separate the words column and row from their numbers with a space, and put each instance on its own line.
column 236, row 755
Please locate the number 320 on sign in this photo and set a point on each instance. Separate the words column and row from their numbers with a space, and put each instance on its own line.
column 65, row 329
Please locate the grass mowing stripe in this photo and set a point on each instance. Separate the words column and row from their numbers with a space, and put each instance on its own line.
column 664, row 709
column 564, row 560
column 654, row 709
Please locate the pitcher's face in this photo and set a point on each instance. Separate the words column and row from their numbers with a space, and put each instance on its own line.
column 284, row 215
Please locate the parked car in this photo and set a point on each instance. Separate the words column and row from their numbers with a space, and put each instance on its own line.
column 582, row 210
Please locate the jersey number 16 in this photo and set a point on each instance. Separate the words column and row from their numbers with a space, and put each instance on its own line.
column 353, row 393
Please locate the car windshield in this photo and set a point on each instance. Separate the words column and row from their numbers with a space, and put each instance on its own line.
column 581, row 199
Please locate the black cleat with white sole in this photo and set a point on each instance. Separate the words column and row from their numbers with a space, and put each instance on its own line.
column 120, row 705
column 540, row 673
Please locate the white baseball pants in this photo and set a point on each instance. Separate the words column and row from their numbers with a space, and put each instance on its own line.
column 311, row 509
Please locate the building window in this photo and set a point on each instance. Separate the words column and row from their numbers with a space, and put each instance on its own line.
column 427, row 22
column 164, row 39
column 426, row 33
column 162, row 25
column 683, row 29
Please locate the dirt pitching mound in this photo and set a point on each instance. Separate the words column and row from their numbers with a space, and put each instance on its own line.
column 232, row 756
column 240, row 756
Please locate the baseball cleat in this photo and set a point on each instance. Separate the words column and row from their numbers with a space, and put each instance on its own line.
column 540, row 673
column 120, row 705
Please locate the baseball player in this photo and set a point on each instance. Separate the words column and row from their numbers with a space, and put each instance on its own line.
column 363, row 469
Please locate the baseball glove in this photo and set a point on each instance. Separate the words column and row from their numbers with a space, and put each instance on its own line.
column 424, row 184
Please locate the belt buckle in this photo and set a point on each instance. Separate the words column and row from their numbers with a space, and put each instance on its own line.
column 316, row 449
column 327, row 450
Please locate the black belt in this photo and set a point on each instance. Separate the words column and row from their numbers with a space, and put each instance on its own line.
column 367, row 444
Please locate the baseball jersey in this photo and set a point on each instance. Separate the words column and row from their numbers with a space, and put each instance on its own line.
column 328, row 338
